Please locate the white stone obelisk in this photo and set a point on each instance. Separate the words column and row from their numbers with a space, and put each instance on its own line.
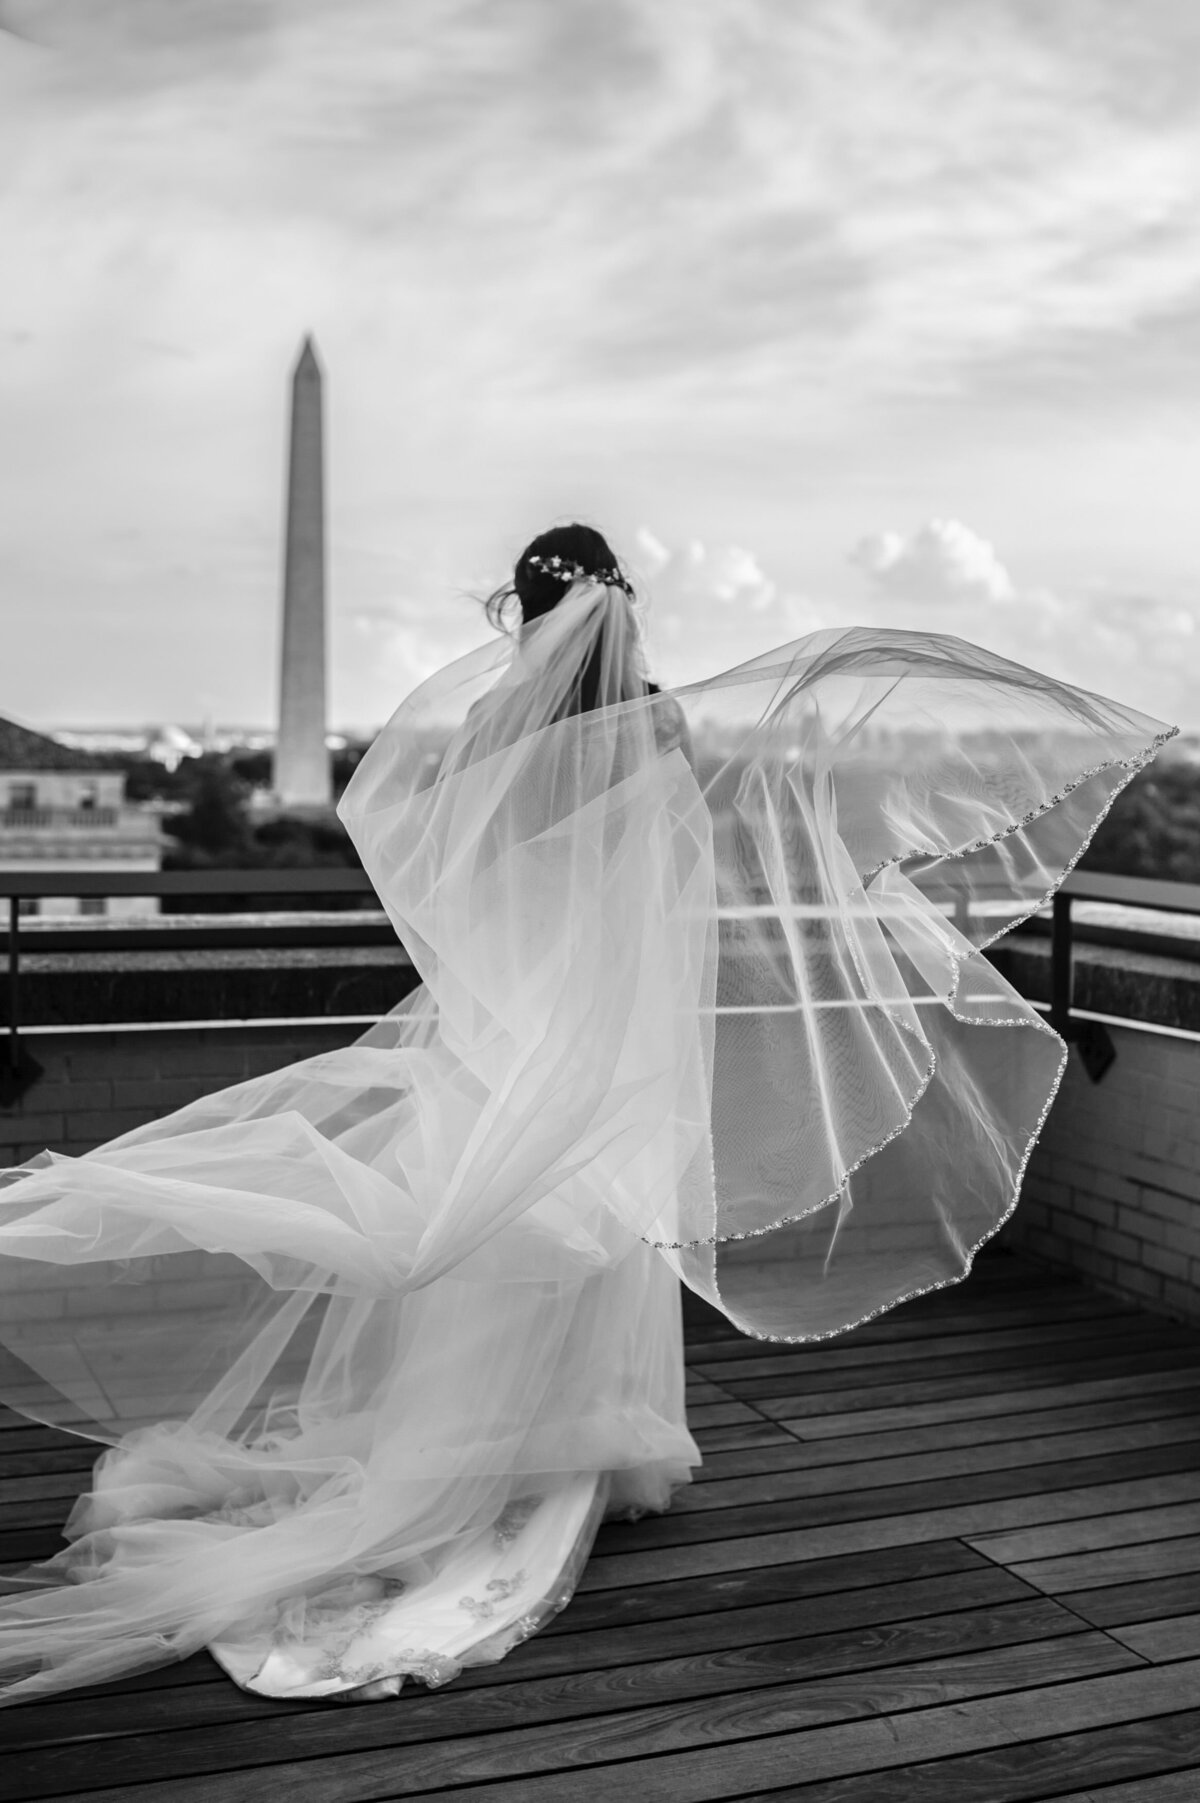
column 302, row 774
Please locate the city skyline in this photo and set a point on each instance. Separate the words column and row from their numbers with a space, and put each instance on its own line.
column 854, row 312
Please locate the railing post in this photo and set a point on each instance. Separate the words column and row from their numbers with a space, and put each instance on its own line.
column 1060, row 965
column 14, row 970
column 19, row 1071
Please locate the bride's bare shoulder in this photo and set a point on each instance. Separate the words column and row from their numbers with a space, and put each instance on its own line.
column 670, row 725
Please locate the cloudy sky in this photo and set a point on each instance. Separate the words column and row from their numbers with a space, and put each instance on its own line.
column 826, row 310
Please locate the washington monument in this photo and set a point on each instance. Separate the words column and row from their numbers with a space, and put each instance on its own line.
column 302, row 776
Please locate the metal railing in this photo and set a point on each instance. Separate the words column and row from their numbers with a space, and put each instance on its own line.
column 1124, row 891
column 1089, row 1034
column 19, row 1070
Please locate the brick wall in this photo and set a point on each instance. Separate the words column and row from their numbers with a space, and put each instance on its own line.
column 1113, row 1189
column 1112, row 1192
column 99, row 1084
column 95, row 1086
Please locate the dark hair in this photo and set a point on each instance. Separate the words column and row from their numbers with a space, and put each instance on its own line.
column 537, row 590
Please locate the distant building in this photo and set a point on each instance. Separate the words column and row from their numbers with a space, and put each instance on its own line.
column 60, row 810
column 170, row 745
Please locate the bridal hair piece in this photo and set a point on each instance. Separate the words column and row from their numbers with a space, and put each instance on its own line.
column 603, row 659
column 547, row 569
column 563, row 569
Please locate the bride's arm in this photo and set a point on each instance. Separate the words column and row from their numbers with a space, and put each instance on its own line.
column 671, row 728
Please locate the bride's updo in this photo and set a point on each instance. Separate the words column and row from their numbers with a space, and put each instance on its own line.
column 544, row 573
column 546, row 569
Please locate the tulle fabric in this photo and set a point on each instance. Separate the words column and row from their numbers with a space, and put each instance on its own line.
column 376, row 1340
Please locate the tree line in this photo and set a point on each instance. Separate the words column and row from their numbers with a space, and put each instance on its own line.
column 214, row 827
column 1151, row 830
column 1153, row 827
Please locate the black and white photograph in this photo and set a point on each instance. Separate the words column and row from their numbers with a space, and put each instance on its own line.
column 600, row 881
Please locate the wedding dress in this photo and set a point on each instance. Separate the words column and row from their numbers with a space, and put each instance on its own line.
column 375, row 1341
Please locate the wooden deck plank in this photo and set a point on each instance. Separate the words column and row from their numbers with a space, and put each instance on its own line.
column 28, row 1438
column 819, row 1372
column 715, row 1440
column 1120, row 1604
column 1112, row 1565
column 1135, row 1526
column 774, row 1582
column 1051, row 1338
column 1177, row 1637
column 631, row 1643
column 909, row 1554
column 344, row 1747
column 838, row 1538
column 822, row 1507
column 1168, row 1787
column 781, row 1453
column 939, row 1437
column 723, row 1743
column 771, row 1763
column 54, row 1490
column 959, row 1312
column 698, row 1392
column 776, row 1473
column 31, row 1464
column 682, row 1527
column 1003, row 1514
column 806, row 1472
column 1025, row 1772
column 1003, row 1378
column 723, row 1414
column 973, row 1405
column 478, row 1701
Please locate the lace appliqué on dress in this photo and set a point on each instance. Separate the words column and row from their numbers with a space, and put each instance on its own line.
column 516, row 1518
column 336, row 1665
column 433, row 1669
column 500, row 1589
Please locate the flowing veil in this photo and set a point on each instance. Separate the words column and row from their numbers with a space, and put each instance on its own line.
column 377, row 1339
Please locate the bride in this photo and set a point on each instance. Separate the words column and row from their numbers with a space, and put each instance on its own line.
column 376, row 1341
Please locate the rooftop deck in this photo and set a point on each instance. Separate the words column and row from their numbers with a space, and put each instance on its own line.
column 952, row 1556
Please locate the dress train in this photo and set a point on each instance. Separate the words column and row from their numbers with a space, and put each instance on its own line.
column 376, row 1341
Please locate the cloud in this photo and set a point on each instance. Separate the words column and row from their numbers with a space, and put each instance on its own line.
column 710, row 607
column 942, row 561
column 675, row 197
column 668, row 258
column 1138, row 648
column 727, row 574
